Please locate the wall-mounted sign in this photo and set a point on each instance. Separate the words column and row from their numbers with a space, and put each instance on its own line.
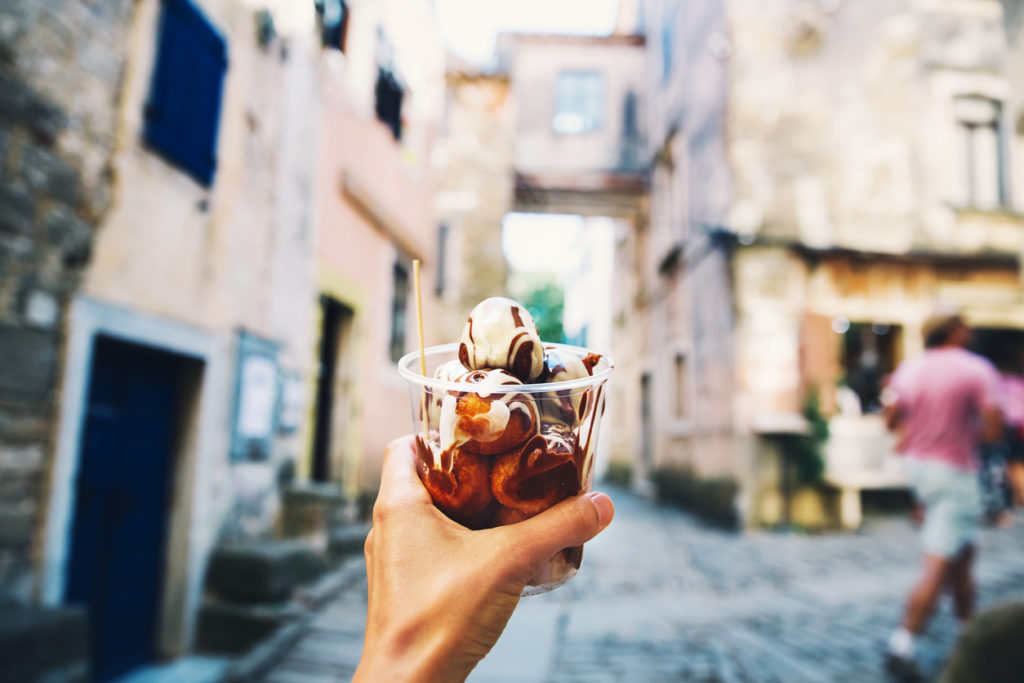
column 256, row 396
column 290, row 413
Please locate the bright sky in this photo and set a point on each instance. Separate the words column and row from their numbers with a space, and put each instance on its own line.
column 470, row 26
column 542, row 241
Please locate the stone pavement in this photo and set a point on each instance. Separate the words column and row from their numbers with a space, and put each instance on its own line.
column 662, row 598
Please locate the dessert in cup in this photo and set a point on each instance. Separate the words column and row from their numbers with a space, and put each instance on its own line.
column 507, row 424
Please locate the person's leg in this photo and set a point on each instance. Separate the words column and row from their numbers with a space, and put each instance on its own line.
column 922, row 601
column 926, row 592
column 1015, row 470
column 961, row 580
column 1015, row 467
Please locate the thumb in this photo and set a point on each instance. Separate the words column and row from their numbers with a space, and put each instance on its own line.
column 572, row 522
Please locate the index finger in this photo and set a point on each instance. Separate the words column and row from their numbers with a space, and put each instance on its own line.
column 398, row 476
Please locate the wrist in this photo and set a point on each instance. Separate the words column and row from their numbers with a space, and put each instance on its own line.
column 411, row 656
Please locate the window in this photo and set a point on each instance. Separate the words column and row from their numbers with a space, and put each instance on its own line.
column 981, row 181
column 442, row 247
column 389, row 94
column 399, row 303
column 668, row 36
column 630, row 123
column 183, row 110
column 681, row 403
column 333, row 23
column 870, row 353
column 579, row 102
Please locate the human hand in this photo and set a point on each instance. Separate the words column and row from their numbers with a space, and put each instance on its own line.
column 441, row 594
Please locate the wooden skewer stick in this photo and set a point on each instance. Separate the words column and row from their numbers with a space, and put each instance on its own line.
column 423, row 355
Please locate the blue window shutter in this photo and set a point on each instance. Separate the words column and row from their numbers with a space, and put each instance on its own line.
column 183, row 112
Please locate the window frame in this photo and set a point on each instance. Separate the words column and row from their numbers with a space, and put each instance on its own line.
column 968, row 135
column 679, row 384
column 178, row 125
column 388, row 83
column 670, row 18
column 399, row 309
column 584, row 100
column 339, row 29
column 441, row 274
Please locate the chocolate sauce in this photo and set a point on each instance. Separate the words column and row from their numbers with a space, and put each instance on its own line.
column 590, row 360
column 517, row 317
column 521, row 365
column 563, row 479
column 573, row 556
column 463, row 349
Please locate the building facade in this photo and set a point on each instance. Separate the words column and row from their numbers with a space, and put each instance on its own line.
column 383, row 91
column 475, row 189
column 158, row 301
column 824, row 175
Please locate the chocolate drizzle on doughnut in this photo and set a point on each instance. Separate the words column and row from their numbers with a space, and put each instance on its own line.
column 488, row 419
column 540, row 474
column 461, row 487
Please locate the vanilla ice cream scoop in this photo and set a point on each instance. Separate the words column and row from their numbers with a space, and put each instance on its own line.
column 500, row 333
column 561, row 365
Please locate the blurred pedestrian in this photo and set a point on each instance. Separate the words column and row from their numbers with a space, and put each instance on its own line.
column 997, row 492
column 942, row 403
column 1013, row 414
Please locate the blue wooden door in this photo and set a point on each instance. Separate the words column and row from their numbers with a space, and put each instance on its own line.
column 123, row 489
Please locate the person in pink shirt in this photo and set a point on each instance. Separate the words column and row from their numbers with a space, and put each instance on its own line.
column 942, row 404
column 1013, row 414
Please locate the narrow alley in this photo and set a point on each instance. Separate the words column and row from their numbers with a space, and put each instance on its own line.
column 662, row 598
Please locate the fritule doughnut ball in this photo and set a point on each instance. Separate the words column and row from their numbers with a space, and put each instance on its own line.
column 485, row 419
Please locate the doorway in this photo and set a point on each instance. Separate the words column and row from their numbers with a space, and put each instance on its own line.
column 1003, row 346
column 646, row 426
column 132, row 421
column 336, row 318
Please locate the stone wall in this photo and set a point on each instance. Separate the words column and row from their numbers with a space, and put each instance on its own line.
column 844, row 124
column 686, row 278
column 781, row 130
column 475, row 191
column 61, row 64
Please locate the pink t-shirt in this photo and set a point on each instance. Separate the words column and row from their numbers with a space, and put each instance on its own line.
column 941, row 395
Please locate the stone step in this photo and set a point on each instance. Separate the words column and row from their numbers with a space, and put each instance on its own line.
column 345, row 541
column 231, row 628
column 38, row 643
column 263, row 571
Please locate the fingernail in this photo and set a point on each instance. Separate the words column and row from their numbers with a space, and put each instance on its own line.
column 603, row 504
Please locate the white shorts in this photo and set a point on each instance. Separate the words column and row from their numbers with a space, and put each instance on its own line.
column 952, row 502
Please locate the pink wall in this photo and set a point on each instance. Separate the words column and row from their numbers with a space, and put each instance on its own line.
column 386, row 202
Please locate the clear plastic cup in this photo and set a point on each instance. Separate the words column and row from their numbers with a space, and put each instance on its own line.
column 520, row 459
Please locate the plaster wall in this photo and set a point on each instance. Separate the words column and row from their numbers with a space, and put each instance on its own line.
column 374, row 209
column 172, row 255
column 539, row 149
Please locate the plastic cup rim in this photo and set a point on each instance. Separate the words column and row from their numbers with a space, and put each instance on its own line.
column 412, row 358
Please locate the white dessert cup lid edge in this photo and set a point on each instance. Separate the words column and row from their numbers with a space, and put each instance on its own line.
column 406, row 362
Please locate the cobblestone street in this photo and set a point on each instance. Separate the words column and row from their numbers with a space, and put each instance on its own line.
column 662, row 598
